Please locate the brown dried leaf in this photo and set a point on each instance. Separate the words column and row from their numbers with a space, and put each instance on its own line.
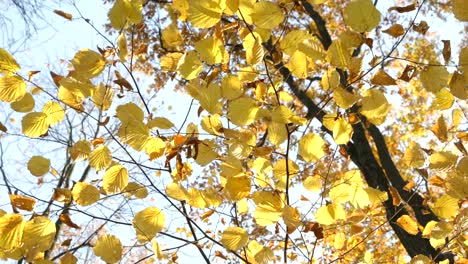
column 422, row 27
column 440, row 129
column 408, row 73
column 395, row 30
column 447, row 51
column 63, row 14
column 65, row 218
column 403, row 9
column 382, row 78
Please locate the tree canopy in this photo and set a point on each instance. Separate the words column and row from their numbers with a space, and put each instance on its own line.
column 242, row 131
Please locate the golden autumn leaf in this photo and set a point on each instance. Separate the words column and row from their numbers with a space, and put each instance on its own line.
column 100, row 158
column 88, row 63
column 22, row 202
column 361, row 15
column 115, row 179
column 395, row 30
column 11, row 231
column 267, row 15
column 23, row 105
column 80, row 150
column 234, row 238
column 204, row 14
column 108, row 248
column 38, row 165
column 312, row 147
column 85, row 194
column 408, row 224
column 39, row 233
column 147, row 223
column 329, row 214
column 12, row 88
column 8, row 64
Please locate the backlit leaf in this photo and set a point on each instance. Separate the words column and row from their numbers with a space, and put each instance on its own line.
column 343, row 98
column 35, row 124
column 211, row 50
column 100, row 158
column 234, row 238
column 103, row 96
column 342, row 131
column 108, row 248
column 329, row 214
column 242, row 111
column 80, row 150
column 312, row 147
column 85, row 194
column 8, row 64
column 39, row 234
column 12, row 88
column 267, row 15
column 204, row 14
column 88, row 63
column 55, row 112
column 446, row 207
column 375, row 106
column 129, row 112
column 11, row 231
column 122, row 47
column 408, row 224
column 361, row 15
column 147, row 223
column 189, row 65
column 434, row 78
column 115, row 179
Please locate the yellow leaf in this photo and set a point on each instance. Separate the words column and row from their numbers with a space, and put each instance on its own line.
column 253, row 48
column 312, row 48
column 80, row 150
column 181, row 6
column 457, row 85
column 108, row 248
column 39, row 234
column 124, row 11
column 72, row 92
column 457, row 116
column 12, row 88
column 342, row 131
column 100, row 158
column 339, row 54
column 189, row 65
column 440, row 129
column 313, row 183
column 414, row 156
column 136, row 189
column 129, row 112
column 382, row 78
column 122, row 47
column 290, row 42
column 298, row 64
column 442, row 160
column 446, row 207
column 170, row 61
column 242, row 111
column 277, row 133
column 115, row 179
column 11, row 231
column 205, row 14
column 176, row 191
column 408, row 224
column 291, row 217
column 171, row 36
column 103, row 96
column 259, row 254
column 134, row 134
column 280, row 172
column 339, row 240
column 269, row 207
column 361, row 15
column 22, row 202
column 421, row 259
column 23, row 105
column 231, row 87
column 85, row 194
column 329, row 214
column 375, row 106
column 206, row 152
column 343, row 98
column 68, row 258
column 160, row 122
column 234, row 238
column 211, row 50
column 246, row 8
column 444, row 100
column 35, row 124
column 312, row 147
column 330, row 80
column 267, row 15
column 212, row 124
column 157, row 249
column 358, row 196
column 395, row 30
column 154, row 147
column 434, row 78
column 38, row 165
column 460, row 10
column 147, row 223
column 88, row 63
column 376, row 196
column 237, row 188
column 8, row 64
column 54, row 111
